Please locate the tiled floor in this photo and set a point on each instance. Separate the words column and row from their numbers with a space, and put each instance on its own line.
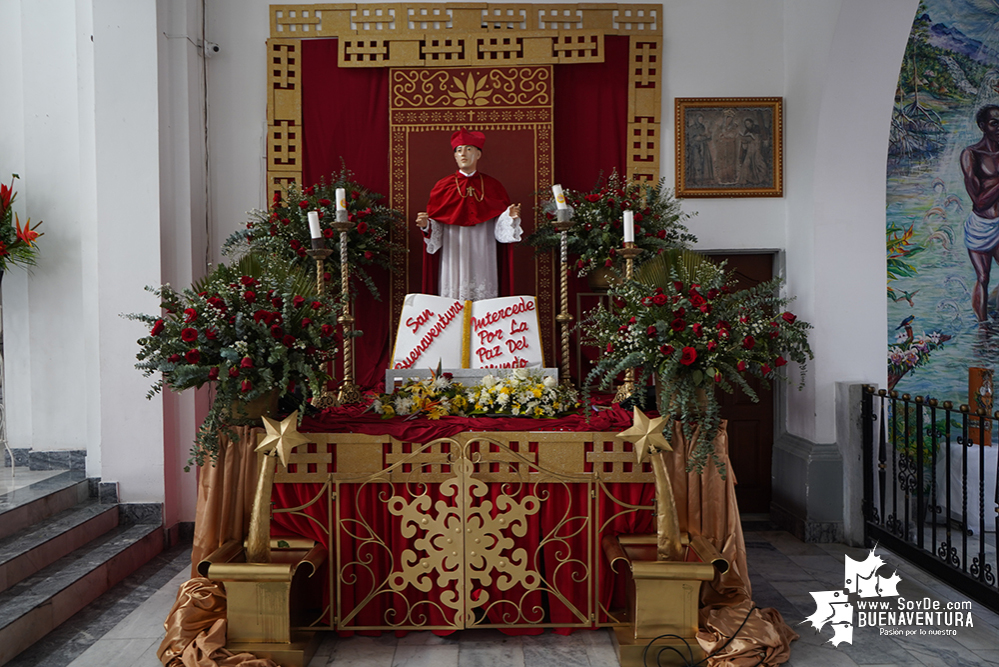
column 18, row 478
column 125, row 625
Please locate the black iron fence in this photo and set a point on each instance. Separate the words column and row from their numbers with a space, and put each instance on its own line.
column 930, row 490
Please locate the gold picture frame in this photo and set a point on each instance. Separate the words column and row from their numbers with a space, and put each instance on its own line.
column 729, row 147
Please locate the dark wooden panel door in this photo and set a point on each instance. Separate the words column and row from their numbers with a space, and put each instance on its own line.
column 750, row 425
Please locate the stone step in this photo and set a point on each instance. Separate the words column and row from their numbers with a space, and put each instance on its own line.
column 29, row 550
column 32, row 504
column 35, row 606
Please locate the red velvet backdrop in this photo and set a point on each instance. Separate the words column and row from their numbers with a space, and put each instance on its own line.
column 345, row 118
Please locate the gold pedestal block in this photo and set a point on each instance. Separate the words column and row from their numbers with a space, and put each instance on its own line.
column 265, row 599
column 663, row 599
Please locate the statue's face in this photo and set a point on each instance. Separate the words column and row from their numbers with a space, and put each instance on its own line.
column 467, row 157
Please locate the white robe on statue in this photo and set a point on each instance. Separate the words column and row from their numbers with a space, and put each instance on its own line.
column 468, row 255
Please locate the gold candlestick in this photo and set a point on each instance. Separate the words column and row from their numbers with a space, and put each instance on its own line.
column 319, row 252
column 629, row 252
column 564, row 319
column 349, row 393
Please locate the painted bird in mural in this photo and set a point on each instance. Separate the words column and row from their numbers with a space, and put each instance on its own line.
column 906, row 324
column 905, row 296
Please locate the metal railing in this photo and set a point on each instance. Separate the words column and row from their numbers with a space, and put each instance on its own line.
column 930, row 490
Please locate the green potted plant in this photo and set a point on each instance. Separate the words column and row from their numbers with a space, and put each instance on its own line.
column 597, row 234
column 253, row 331
column 17, row 244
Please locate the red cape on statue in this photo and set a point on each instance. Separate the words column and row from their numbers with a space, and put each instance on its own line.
column 467, row 200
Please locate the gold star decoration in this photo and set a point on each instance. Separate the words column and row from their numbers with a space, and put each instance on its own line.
column 646, row 434
column 282, row 437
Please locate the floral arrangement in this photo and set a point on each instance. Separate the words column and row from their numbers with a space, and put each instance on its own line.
column 519, row 394
column 252, row 330
column 17, row 243
column 283, row 229
column 910, row 351
column 682, row 321
column 597, row 234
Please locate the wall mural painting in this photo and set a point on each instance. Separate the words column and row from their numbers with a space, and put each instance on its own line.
column 942, row 234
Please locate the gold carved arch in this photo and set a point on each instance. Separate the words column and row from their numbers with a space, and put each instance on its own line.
column 463, row 35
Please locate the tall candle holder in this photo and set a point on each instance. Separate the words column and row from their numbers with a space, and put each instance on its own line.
column 349, row 393
column 319, row 252
column 629, row 252
column 563, row 223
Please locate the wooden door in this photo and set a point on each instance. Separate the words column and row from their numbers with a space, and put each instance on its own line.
column 750, row 425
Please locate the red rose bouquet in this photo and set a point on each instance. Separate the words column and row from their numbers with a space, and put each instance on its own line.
column 597, row 234
column 681, row 320
column 17, row 243
column 248, row 330
column 283, row 229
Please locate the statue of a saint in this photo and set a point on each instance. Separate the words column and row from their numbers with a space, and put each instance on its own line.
column 468, row 213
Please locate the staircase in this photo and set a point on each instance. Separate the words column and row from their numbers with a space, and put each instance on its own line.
column 60, row 548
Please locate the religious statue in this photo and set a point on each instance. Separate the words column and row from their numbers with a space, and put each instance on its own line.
column 468, row 213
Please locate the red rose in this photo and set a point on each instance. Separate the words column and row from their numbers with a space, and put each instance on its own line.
column 157, row 328
column 327, row 330
column 173, row 358
column 192, row 356
column 262, row 316
column 741, row 366
column 304, row 204
column 273, row 230
column 246, row 362
column 368, row 254
column 354, row 194
column 677, row 286
column 301, row 252
column 233, row 372
column 651, row 331
column 285, row 221
column 696, row 300
column 213, row 373
column 246, row 386
column 297, row 301
column 277, row 302
column 295, row 244
column 326, row 276
column 718, row 377
column 765, row 369
column 704, row 308
column 608, row 263
column 610, row 348
column 316, row 305
column 631, row 320
column 190, row 314
column 712, row 345
column 623, row 328
column 324, row 202
column 277, row 197
column 712, row 293
column 661, row 233
column 306, row 321
column 250, row 296
column 248, row 281
column 276, row 332
column 748, row 342
column 679, row 312
column 592, row 198
column 580, row 264
column 666, row 349
column 688, row 356
column 678, row 325
column 780, row 361
column 696, row 327
column 288, row 340
column 660, row 299
column 362, row 227
column 789, row 317
column 189, row 335
column 328, row 232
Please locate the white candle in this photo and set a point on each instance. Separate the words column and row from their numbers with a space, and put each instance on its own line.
column 341, row 199
column 559, row 197
column 629, row 227
column 314, row 229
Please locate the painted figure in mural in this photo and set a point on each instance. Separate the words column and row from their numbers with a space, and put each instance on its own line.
column 752, row 164
column 726, row 145
column 468, row 213
column 699, row 160
column 980, row 166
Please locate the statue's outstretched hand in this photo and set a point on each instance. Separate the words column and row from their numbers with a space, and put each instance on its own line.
column 514, row 210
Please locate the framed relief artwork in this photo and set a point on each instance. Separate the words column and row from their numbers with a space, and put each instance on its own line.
column 729, row 147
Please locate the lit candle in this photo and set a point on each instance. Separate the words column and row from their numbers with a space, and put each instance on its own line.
column 314, row 229
column 559, row 197
column 341, row 199
column 629, row 227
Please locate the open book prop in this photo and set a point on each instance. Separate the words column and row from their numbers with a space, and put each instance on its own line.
column 465, row 336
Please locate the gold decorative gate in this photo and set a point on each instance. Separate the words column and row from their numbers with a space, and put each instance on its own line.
column 496, row 529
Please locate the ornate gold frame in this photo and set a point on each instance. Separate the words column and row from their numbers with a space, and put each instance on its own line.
column 463, row 34
column 730, row 105
column 489, row 483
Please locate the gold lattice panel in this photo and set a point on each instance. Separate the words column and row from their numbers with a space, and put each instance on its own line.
column 465, row 35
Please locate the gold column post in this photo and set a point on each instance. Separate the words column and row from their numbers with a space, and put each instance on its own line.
column 319, row 252
column 349, row 393
column 563, row 224
column 629, row 252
